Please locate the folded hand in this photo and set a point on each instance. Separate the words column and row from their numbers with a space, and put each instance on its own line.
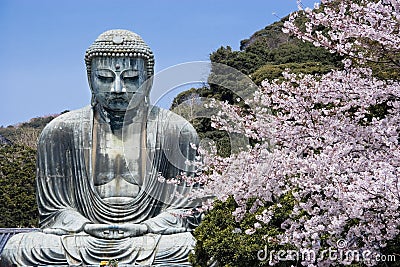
column 116, row 231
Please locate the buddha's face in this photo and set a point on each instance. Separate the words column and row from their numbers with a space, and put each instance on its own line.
column 116, row 80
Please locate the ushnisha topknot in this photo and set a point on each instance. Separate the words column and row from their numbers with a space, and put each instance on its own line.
column 120, row 43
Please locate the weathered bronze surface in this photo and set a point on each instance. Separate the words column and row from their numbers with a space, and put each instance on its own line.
column 98, row 190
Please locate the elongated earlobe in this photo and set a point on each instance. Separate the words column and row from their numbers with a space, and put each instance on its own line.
column 94, row 100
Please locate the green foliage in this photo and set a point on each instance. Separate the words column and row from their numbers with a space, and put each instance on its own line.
column 220, row 138
column 385, row 71
column 17, row 187
column 392, row 248
column 272, row 36
column 270, row 46
column 220, row 238
column 272, row 72
column 378, row 111
column 246, row 62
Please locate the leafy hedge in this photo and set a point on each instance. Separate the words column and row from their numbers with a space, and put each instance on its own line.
column 221, row 239
column 17, row 187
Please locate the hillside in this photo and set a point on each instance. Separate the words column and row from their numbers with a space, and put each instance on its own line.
column 26, row 133
column 271, row 48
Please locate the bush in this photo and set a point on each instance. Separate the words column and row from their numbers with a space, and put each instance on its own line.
column 17, row 187
column 222, row 240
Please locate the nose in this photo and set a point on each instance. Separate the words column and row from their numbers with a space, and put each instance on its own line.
column 117, row 86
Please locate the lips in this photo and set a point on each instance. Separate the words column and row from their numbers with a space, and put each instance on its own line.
column 117, row 99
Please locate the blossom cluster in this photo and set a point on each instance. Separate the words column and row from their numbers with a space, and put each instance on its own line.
column 365, row 29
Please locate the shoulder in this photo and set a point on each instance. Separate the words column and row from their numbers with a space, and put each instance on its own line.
column 66, row 122
column 172, row 120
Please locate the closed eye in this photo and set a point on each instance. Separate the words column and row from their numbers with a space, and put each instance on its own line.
column 105, row 79
column 130, row 75
column 105, row 75
column 130, row 78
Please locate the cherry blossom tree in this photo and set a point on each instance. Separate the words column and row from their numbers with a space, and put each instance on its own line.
column 331, row 141
column 365, row 30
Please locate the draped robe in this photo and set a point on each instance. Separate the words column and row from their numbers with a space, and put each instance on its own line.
column 67, row 198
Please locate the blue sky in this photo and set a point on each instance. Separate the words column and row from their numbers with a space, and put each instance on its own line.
column 43, row 42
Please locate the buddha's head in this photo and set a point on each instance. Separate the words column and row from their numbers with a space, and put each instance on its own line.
column 118, row 63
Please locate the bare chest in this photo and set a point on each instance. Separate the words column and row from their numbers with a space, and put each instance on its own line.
column 113, row 180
